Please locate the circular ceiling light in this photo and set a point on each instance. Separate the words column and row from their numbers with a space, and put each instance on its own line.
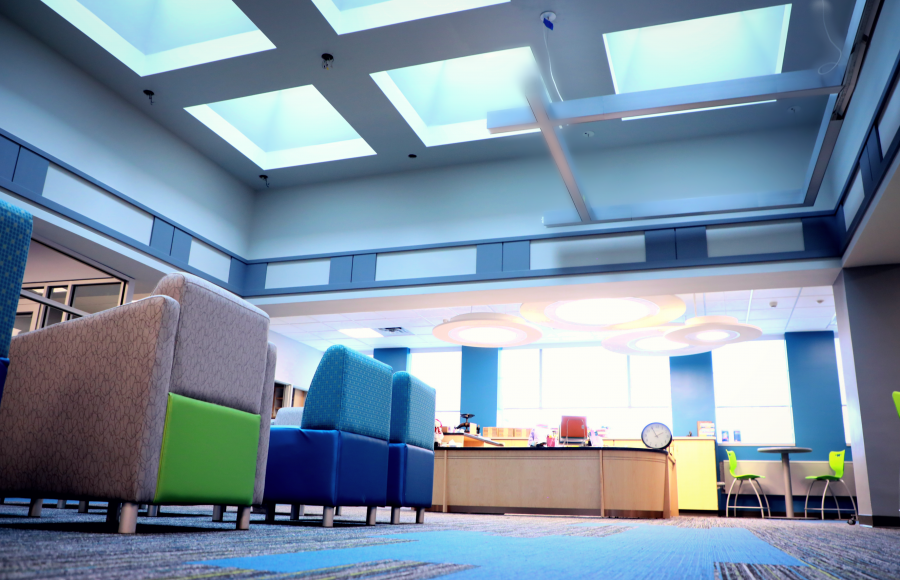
column 713, row 331
column 650, row 342
column 486, row 330
column 598, row 314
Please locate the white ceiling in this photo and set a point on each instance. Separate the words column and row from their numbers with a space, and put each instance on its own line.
column 795, row 310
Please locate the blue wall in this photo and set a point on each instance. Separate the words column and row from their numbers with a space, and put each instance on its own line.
column 396, row 358
column 693, row 397
column 478, row 394
column 815, row 394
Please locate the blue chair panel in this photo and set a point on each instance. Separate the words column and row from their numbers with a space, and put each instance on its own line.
column 328, row 468
column 410, row 476
column 412, row 411
column 350, row 392
column 15, row 238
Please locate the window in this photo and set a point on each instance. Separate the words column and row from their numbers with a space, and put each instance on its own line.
column 840, row 367
column 443, row 371
column 753, row 394
column 624, row 394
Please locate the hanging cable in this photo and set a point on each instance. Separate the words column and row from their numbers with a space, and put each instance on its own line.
column 831, row 65
column 547, row 18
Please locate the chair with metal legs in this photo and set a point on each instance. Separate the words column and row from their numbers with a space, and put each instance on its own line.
column 732, row 465
column 836, row 462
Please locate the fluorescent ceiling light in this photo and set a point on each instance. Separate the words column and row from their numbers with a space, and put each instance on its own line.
column 704, row 50
column 658, row 344
column 604, row 311
column 448, row 101
column 603, row 314
column 284, row 128
column 154, row 36
column 361, row 333
column 347, row 16
column 486, row 329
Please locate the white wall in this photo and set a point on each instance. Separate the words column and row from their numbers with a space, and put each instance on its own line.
column 53, row 105
column 509, row 198
column 296, row 363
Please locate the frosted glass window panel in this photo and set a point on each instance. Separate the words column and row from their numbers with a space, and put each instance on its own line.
column 448, row 418
column 650, row 382
column 584, row 377
column 751, row 374
column 443, row 371
column 840, row 367
column 520, row 379
column 93, row 298
column 757, row 425
column 528, row 418
column 846, row 416
column 620, row 423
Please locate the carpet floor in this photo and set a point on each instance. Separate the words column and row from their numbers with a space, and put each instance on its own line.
column 184, row 544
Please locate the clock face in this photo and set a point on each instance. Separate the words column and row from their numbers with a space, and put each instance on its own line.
column 656, row 436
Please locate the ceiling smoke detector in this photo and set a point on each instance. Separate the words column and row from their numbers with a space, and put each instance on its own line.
column 394, row 331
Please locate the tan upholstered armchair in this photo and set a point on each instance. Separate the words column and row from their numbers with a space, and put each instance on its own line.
column 166, row 400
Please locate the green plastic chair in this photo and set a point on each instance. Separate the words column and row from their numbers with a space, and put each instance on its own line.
column 752, row 478
column 896, row 396
column 836, row 463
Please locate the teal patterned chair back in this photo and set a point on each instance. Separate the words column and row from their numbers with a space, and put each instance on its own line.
column 15, row 237
column 412, row 411
column 350, row 392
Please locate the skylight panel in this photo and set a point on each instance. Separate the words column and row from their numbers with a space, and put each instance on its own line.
column 347, row 16
column 283, row 128
column 154, row 36
column 704, row 50
column 448, row 101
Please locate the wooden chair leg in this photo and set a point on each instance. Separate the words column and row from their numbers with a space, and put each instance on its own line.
column 327, row 517
column 128, row 518
column 420, row 515
column 83, row 507
column 112, row 512
column 270, row 513
column 337, row 511
column 153, row 511
column 243, row 517
column 297, row 511
column 34, row 507
column 371, row 512
column 395, row 516
column 218, row 513
column 60, row 504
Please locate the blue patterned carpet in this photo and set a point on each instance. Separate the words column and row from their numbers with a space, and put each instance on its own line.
column 184, row 544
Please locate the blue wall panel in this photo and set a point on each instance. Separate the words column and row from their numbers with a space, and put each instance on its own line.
column 690, row 243
column 396, row 358
column 237, row 273
column 478, row 393
column 815, row 394
column 693, row 396
column 9, row 152
column 181, row 246
column 162, row 235
column 341, row 270
column 516, row 256
column 31, row 171
column 488, row 258
column 364, row 268
column 660, row 245
column 255, row 278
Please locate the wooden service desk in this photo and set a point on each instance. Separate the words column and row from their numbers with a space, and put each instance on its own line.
column 614, row 482
column 468, row 440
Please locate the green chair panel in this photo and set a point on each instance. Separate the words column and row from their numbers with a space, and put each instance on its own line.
column 823, row 477
column 749, row 476
column 896, row 397
column 208, row 454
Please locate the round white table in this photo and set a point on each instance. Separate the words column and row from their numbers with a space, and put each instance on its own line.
column 786, row 469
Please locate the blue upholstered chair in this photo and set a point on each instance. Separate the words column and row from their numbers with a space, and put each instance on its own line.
column 411, row 451
column 339, row 454
column 15, row 237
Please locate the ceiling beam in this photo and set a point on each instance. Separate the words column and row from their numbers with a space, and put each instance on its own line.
column 559, row 151
column 807, row 83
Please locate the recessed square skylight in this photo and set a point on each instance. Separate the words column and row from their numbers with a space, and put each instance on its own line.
column 448, row 101
column 716, row 48
column 283, row 128
column 347, row 16
column 154, row 36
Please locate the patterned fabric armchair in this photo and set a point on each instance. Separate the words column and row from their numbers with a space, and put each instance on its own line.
column 339, row 455
column 411, row 450
column 162, row 401
column 15, row 237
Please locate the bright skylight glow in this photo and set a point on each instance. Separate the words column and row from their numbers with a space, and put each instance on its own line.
column 488, row 335
column 448, row 101
column 603, row 311
column 716, row 48
column 347, row 16
column 154, row 36
column 283, row 128
column 658, row 344
column 361, row 333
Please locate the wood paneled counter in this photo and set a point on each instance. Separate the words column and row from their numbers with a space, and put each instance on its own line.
column 615, row 482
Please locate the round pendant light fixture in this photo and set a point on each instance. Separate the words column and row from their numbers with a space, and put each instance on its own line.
column 713, row 331
column 650, row 342
column 598, row 314
column 486, row 330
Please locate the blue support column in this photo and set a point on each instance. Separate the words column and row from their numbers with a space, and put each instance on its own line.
column 693, row 396
column 815, row 394
column 478, row 394
column 396, row 358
